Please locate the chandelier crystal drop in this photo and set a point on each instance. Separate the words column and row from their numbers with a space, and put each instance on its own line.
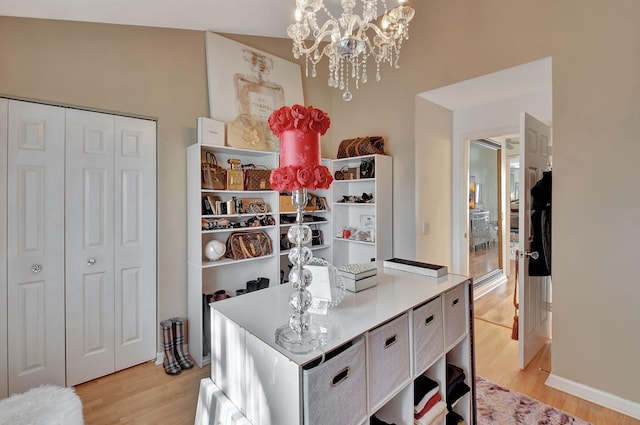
column 350, row 39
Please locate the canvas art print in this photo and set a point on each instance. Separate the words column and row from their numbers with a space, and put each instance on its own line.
column 245, row 86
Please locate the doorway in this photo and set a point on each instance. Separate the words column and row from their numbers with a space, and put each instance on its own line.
column 452, row 114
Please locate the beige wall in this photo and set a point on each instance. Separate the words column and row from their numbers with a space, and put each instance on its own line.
column 129, row 70
column 149, row 72
column 595, row 48
column 596, row 62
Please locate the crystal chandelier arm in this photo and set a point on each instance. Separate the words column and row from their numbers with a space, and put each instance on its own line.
column 382, row 34
column 329, row 34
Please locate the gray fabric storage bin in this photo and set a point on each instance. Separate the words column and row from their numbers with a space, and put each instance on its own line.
column 389, row 359
column 428, row 339
column 455, row 315
column 335, row 392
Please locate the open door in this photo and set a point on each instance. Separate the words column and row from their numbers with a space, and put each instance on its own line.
column 534, row 323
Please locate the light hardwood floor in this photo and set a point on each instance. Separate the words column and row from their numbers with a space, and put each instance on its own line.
column 497, row 360
column 142, row 395
column 146, row 395
column 483, row 259
column 497, row 306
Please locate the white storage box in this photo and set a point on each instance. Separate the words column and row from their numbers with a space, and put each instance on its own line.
column 389, row 359
column 354, row 285
column 210, row 132
column 357, row 277
column 455, row 315
column 428, row 340
column 335, row 391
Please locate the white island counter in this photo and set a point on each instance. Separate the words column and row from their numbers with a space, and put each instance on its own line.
column 378, row 342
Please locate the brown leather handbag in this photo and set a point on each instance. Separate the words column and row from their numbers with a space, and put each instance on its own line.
column 213, row 176
column 256, row 177
column 361, row 146
column 248, row 244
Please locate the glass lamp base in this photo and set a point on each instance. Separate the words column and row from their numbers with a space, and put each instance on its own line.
column 301, row 343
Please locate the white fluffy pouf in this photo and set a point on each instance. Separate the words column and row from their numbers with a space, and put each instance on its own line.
column 44, row 405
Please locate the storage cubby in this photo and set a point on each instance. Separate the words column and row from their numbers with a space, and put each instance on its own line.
column 398, row 410
column 388, row 344
column 371, row 335
column 456, row 321
column 436, row 375
column 427, row 334
column 339, row 380
column 458, row 357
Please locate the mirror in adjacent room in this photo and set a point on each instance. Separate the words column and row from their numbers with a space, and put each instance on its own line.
column 514, row 198
column 484, row 219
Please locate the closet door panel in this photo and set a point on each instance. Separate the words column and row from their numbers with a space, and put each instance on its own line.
column 35, row 241
column 4, row 109
column 135, row 250
column 90, row 245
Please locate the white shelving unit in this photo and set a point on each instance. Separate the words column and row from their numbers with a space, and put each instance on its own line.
column 204, row 276
column 379, row 341
column 348, row 214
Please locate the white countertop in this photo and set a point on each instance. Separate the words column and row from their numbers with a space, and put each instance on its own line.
column 261, row 312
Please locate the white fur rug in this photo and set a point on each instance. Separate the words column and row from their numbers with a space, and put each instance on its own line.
column 44, row 405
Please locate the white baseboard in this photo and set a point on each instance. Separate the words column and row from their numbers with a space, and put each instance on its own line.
column 596, row 396
column 485, row 288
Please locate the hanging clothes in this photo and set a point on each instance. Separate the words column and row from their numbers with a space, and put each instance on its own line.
column 541, row 226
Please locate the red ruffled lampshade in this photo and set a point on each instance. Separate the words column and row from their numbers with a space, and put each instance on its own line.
column 299, row 129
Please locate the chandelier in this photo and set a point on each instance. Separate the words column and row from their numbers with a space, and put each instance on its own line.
column 350, row 40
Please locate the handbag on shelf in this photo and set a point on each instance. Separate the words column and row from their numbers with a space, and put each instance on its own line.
column 213, row 175
column 248, row 244
column 317, row 238
column 285, row 244
column 361, row 146
column 256, row 177
column 368, row 168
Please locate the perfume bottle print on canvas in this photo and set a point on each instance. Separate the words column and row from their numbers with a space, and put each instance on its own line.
column 256, row 98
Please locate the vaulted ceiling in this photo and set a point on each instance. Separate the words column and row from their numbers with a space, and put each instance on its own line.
column 251, row 17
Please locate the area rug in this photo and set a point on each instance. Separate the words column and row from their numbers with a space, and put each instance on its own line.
column 497, row 405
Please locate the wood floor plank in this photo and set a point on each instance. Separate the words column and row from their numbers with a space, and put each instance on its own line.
column 142, row 395
column 146, row 395
column 496, row 360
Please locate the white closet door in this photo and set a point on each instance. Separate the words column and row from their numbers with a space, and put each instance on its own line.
column 4, row 108
column 135, row 243
column 89, row 246
column 35, row 241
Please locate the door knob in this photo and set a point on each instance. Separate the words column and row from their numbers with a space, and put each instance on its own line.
column 532, row 254
column 91, row 261
column 36, row 268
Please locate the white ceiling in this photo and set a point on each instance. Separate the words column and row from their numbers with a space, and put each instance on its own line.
column 251, row 17
column 521, row 80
